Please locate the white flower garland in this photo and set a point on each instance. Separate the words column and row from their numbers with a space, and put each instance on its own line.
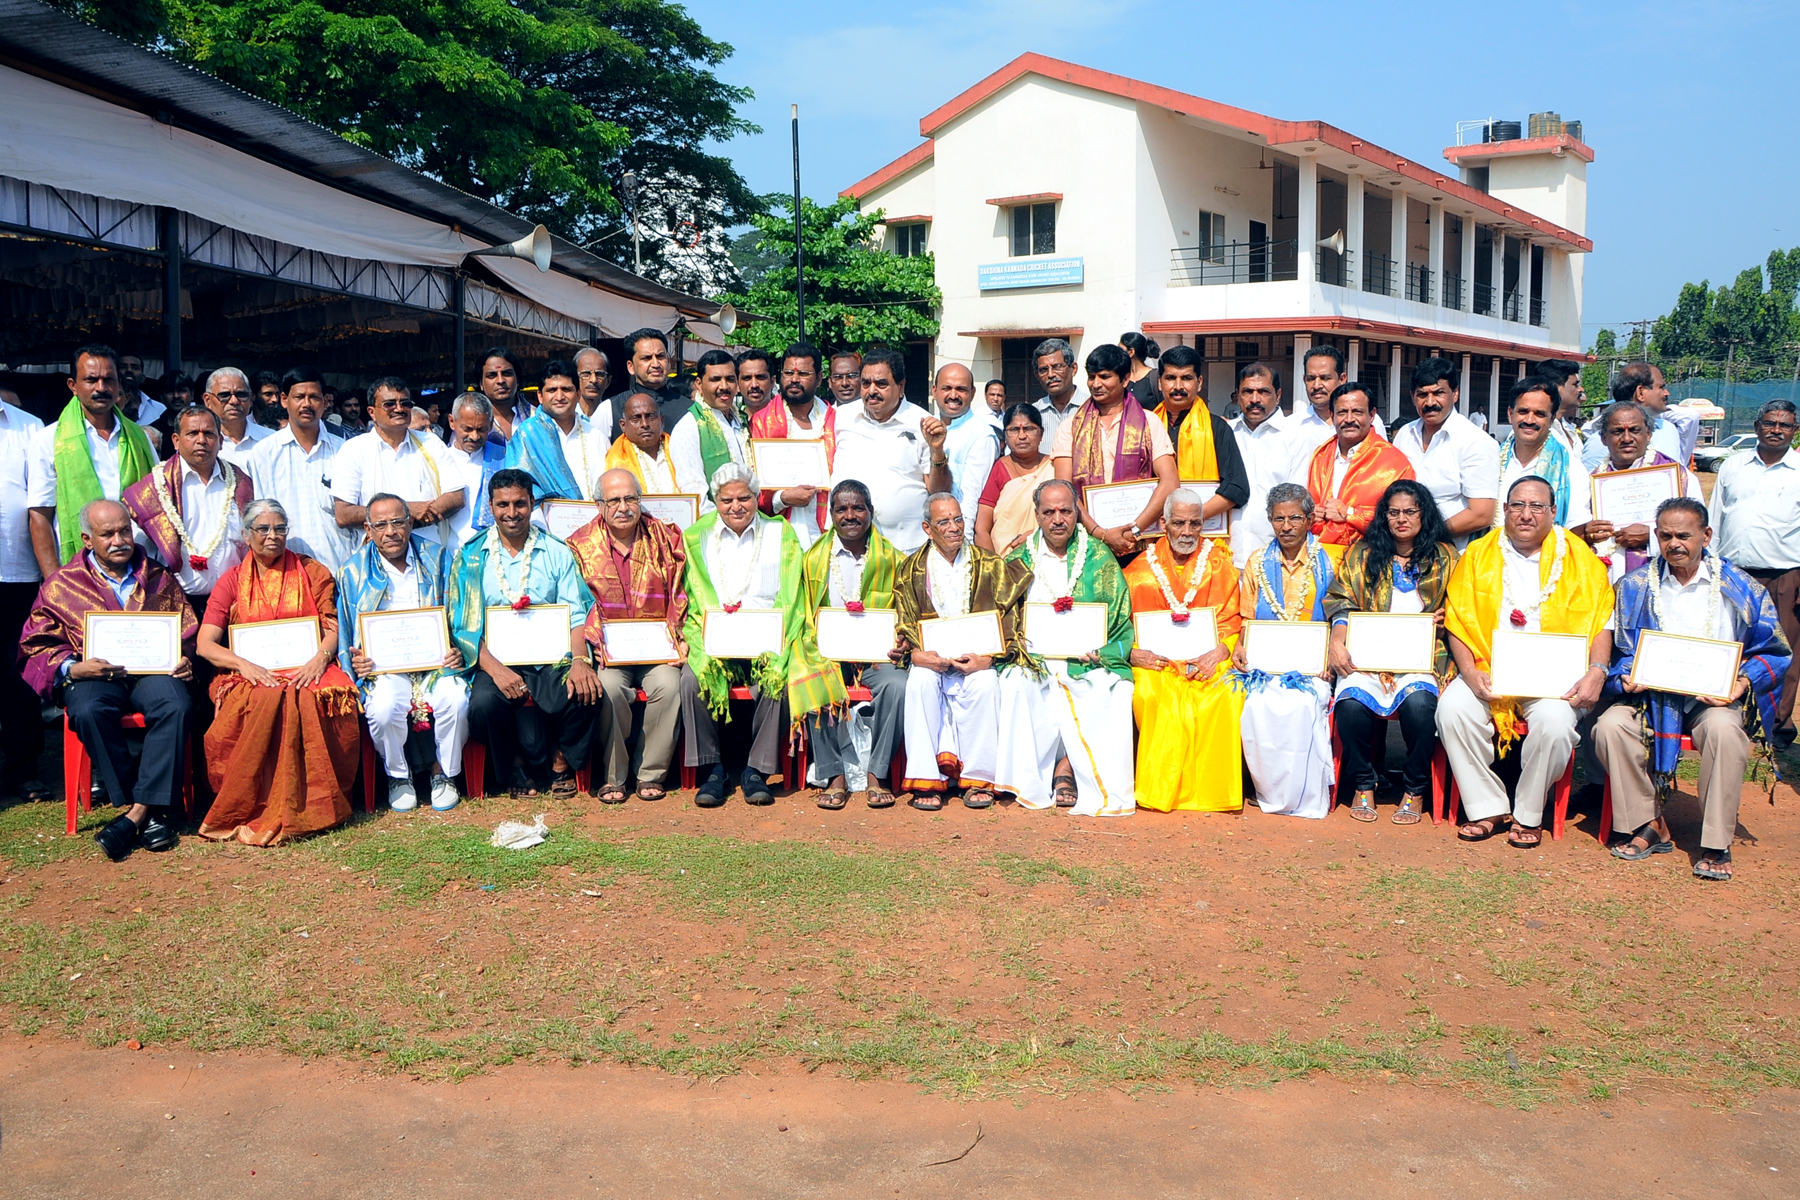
column 495, row 545
column 1162, row 579
column 1509, row 603
column 655, row 471
column 736, row 596
column 1071, row 568
column 167, row 503
column 1712, row 598
column 846, row 591
column 948, row 585
column 1289, row 608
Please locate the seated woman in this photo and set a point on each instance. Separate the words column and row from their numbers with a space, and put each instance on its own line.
column 282, row 751
column 1007, row 513
column 1401, row 565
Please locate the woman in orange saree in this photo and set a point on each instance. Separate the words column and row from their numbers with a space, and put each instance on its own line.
column 281, row 754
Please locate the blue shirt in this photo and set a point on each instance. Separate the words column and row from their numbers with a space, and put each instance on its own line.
column 555, row 577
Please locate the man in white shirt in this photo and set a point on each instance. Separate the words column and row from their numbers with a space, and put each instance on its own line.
column 293, row 466
column 1565, row 374
column 1531, row 450
column 392, row 458
column 476, row 457
column 1261, row 431
column 1673, row 432
column 1755, row 514
column 557, row 445
column 893, row 447
column 229, row 395
column 136, row 402
column 715, row 430
column 972, row 433
column 21, row 726
column 592, row 375
column 1458, row 464
column 798, row 415
column 1054, row 363
column 845, row 381
column 1322, row 371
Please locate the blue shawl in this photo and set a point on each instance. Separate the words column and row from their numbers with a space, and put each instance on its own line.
column 536, row 448
column 1255, row 681
column 1552, row 464
column 493, row 458
column 1766, row 656
column 363, row 582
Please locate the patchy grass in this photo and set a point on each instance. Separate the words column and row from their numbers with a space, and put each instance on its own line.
column 31, row 835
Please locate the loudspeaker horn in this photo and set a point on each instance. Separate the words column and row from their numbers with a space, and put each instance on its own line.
column 1334, row 243
column 534, row 246
column 725, row 319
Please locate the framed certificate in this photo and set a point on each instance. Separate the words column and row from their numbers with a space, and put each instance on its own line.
column 1629, row 498
column 529, row 637
column 144, row 643
column 1158, row 633
column 564, row 517
column 864, row 637
column 783, row 463
column 404, row 640
column 1072, row 634
column 1279, row 647
column 1115, row 504
column 746, row 633
column 956, row 637
column 1399, row 643
column 1687, row 666
column 277, row 645
column 1219, row 526
column 635, row 642
column 1537, row 666
column 677, row 508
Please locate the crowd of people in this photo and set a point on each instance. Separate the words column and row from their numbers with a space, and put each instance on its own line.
column 269, row 500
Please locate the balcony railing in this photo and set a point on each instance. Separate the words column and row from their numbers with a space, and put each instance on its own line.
column 1453, row 292
column 1418, row 283
column 1510, row 307
column 1234, row 262
column 1378, row 274
column 1538, row 312
column 1334, row 267
column 1484, row 299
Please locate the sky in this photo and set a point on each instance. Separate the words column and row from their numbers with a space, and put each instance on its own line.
column 1690, row 108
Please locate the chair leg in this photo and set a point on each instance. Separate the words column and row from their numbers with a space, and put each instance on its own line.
column 1337, row 763
column 1605, row 829
column 1561, row 795
column 1451, row 800
column 77, row 776
column 474, row 770
column 1440, row 783
column 687, row 778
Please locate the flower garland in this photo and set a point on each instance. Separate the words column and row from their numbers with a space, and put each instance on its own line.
column 1288, row 607
column 734, row 599
column 1517, row 613
column 1064, row 596
column 852, row 594
column 658, row 473
column 1179, row 608
column 948, row 585
column 1712, row 598
column 522, row 600
column 198, row 555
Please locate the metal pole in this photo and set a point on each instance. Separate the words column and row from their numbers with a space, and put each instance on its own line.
column 456, row 299
column 799, row 249
column 171, row 239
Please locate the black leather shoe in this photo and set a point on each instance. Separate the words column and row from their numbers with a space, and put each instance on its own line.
column 756, row 788
column 118, row 838
column 712, row 789
column 157, row 835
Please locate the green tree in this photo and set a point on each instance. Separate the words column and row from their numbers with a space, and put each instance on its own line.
column 539, row 106
column 1594, row 376
column 857, row 295
column 1745, row 322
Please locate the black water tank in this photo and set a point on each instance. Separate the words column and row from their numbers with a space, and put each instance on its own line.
column 1505, row 131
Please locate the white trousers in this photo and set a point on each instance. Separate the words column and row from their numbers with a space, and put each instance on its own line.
column 388, row 702
column 1088, row 720
column 952, row 728
column 1466, row 731
column 1287, row 746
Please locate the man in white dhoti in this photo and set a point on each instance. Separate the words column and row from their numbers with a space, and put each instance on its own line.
column 1066, row 729
column 953, row 703
column 1287, row 734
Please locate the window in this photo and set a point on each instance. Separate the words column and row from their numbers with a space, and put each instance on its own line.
column 1033, row 229
column 1212, row 236
column 909, row 240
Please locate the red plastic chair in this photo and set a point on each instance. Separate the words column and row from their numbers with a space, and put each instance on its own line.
column 792, row 774
column 1605, row 830
column 896, row 769
column 1440, row 767
column 78, row 771
column 475, row 766
column 1559, row 793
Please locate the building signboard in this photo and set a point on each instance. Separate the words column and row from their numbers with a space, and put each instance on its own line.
column 1028, row 272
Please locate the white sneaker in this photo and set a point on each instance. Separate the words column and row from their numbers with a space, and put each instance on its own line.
column 401, row 796
column 443, row 794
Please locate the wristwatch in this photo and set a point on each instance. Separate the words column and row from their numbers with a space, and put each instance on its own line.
column 1135, row 531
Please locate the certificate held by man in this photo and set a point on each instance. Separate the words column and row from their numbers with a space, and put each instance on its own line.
column 404, row 640
column 677, row 508
column 141, row 643
column 285, row 645
column 963, row 637
column 1687, row 666
column 1074, row 632
column 564, row 517
column 528, row 637
column 783, row 463
column 1179, row 641
column 630, row 642
column 1287, row 647
column 1627, row 498
column 857, row 637
column 1217, row 525
column 746, row 633
column 1537, row 666
column 1112, row 505
column 1396, row 643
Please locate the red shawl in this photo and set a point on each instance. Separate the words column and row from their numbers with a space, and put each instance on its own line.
column 53, row 633
column 1373, row 466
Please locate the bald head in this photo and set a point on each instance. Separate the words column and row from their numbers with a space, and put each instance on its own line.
column 953, row 389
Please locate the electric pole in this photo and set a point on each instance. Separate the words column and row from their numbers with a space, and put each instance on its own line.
column 799, row 247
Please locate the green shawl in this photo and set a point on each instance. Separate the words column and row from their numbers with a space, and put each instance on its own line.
column 768, row 672
column 1101, row 582
column 77, row 484
column 715, row 451
column 815, row 682
column 1350, row 592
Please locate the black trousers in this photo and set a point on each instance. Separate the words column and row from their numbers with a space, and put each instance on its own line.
column 21, row 712
column 1358, row 726
column 518, row 737
column 95, row 706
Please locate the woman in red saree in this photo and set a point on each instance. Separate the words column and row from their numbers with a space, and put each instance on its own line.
column 282, row 752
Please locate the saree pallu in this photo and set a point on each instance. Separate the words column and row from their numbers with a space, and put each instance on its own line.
column 1014, row 512
column 281, row 760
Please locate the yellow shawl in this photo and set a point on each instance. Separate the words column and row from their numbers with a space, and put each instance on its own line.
column 1195, row 457
column 619, row 456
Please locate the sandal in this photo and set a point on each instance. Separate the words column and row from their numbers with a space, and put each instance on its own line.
column 1484, row 829
column 562, row 785
column 1525, row 837
column 651, row 791
column 1411, row 810
column 523, row 787
column 880, row 797
column 833, row 798
column 986, row 799
column 926, row 802
column 1714, row 864
column 33, row 791
column 1062, row 787
column 1362, row 805
column 1653, row 843
column 612, row 793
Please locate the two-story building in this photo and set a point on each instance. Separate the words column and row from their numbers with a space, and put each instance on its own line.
column 1058, row 200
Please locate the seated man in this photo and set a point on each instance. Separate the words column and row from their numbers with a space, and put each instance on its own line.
column 643, row 448
column 1695, row 593
column 1532, row 577
column 738, row 558
column 1065, row 725
column 394, row 570
column 112, row 573
column 636, row 568
column 1287, row 735
column 516, row 565
column 953, row 705
column 850, row 566
column 1188, row 711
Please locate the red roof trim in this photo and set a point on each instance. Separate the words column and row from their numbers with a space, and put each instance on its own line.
column 889, row 173
column 1274, row 132
column 1376, row 330
column 1543, row 145
column 1008, row 201
column 915, row 219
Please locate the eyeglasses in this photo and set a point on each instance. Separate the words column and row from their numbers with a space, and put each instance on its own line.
column 592, row 374
column 947, row 523
column 233, row 395
column 846, row 377
column 1403, row 512
column 269, row 530
column 619, row 502
column 1297, row 519
column 390, row 402
column 384, row 526
column 1533, row 507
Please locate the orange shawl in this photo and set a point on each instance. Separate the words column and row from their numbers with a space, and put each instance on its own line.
column 1373, row 466
column 771, row 421
column 1218, row 587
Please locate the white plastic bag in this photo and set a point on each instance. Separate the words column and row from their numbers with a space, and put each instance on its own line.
column 517, row 835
